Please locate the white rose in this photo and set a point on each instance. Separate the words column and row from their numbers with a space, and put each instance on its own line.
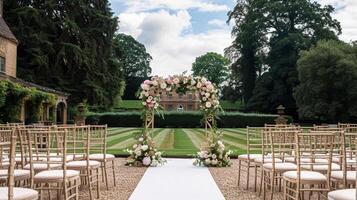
column 145, row 86
column 158, row 153
column 141, row 139
column 210, row 87
column 146, row 161
column 203, row 80
column 134, row 146
column 214, row 156
column 208, row 104
column 163, row 85
column 155, row 83
column 193, row 82
column 168, row 89
column 207, row 94
column 199, row 85
column 176, row 80
column 144, row 147
column 144, row 103
column 146, row 94
column 138, row 152
column 204, row 99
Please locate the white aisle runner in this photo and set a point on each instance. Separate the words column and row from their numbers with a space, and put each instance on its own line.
column 178, row 179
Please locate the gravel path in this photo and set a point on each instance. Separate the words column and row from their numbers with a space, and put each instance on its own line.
column 127, row 179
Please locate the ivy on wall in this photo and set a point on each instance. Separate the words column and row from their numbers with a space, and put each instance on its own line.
column 12, row 95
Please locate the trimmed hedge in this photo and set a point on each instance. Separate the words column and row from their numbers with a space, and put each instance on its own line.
column 181, row 119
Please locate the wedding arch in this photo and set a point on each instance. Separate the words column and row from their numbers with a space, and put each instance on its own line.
column 213, row 153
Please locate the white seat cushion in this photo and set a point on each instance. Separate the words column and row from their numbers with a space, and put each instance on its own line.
column 100, row 157
column 82, row 163
column 19, row 174
column 55, row 175
column 280, row 167
column 319, row 167
column 251, row 156
column 350, row 175
column 346, row 194
column 42, row 166
column 267, row 160
column 19, row 194
column 306, row 176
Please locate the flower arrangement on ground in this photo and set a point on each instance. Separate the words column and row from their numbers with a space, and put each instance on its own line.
column 144, row 153
column 215, row 154
column 150, row 93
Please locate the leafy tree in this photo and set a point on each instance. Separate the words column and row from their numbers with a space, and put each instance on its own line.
column 246, row 49
column 213, row 66
column 67, row 45
column 135, row 61
column 292, row 26
column 328, row 82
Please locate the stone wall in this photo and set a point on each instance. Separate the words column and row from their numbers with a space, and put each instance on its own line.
column 8, row 50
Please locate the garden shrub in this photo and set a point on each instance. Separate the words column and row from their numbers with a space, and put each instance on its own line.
column 181, row 119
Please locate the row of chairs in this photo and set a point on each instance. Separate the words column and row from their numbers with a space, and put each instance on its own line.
column 55, row 158
column 300, row 160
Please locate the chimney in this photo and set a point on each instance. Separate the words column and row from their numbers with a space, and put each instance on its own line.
column 1, row 7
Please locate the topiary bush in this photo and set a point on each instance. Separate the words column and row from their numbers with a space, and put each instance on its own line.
column 181, row 119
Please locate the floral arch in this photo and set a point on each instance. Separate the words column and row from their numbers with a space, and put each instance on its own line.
column 213, row 153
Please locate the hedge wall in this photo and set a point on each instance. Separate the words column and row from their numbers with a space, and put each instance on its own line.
column 181, row 119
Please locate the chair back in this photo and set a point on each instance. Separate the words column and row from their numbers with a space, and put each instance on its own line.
column 98, row 139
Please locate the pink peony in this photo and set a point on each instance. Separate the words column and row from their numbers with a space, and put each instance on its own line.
column 146, row 161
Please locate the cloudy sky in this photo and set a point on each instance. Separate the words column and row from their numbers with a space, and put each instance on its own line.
column 175, row 32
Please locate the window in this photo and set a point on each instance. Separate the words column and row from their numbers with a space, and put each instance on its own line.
column 189, row 96
column 169, row 107
column 180, row 96
column 170, row 96
column 2, row 64
column 190, row 107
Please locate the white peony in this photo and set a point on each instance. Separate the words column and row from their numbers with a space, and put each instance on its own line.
column 208, row 104
column 158, row 153
column 155, row 83
column 214, row 162
column 154, row 163
column 193, row 82
column 163, row 85
column 199, row 85
column 203, row 80
column 138, row 152
column 145, row 86
column 146, row 161
column 144, row 147
column 207, row 94
column 141, row 139
column 208, row 161
column 135, row 146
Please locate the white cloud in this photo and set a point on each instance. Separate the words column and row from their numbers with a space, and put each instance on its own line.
column 346, row 14
column 147, row 5
column 217, row 22
column 168, row 39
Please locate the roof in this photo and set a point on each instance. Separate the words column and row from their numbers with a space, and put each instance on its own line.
column 29, row 84
column 6, row 32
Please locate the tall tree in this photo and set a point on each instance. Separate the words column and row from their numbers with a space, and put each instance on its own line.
column 67, row 45
column 328, row 88
column 246, row 49
column 292, row 26
column 135, row 61
column 213, row 66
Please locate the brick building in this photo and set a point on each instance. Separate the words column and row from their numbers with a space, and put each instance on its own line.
column 172, row 101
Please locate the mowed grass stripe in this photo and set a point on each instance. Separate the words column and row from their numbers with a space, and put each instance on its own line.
column 168, row 142
column 128, row 140
column 182, row 141
column 194, row 137
column 120, row 136
column 115, row 131
column 159, row 138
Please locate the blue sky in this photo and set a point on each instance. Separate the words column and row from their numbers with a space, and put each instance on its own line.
column 175, row 32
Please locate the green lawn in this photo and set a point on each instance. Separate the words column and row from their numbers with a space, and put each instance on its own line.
column 174, row 141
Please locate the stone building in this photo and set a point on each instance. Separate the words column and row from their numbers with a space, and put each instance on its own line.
column 8, row 57
column 172, row 101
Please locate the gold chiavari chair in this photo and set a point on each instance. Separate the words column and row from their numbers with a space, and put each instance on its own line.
column 278, row 146
column 346, row 194
column 52, row 148
column 312, row 146
column 347, row 176
column 79, row 143
column 246, row 161
column 7, row 147
column 98, row 151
